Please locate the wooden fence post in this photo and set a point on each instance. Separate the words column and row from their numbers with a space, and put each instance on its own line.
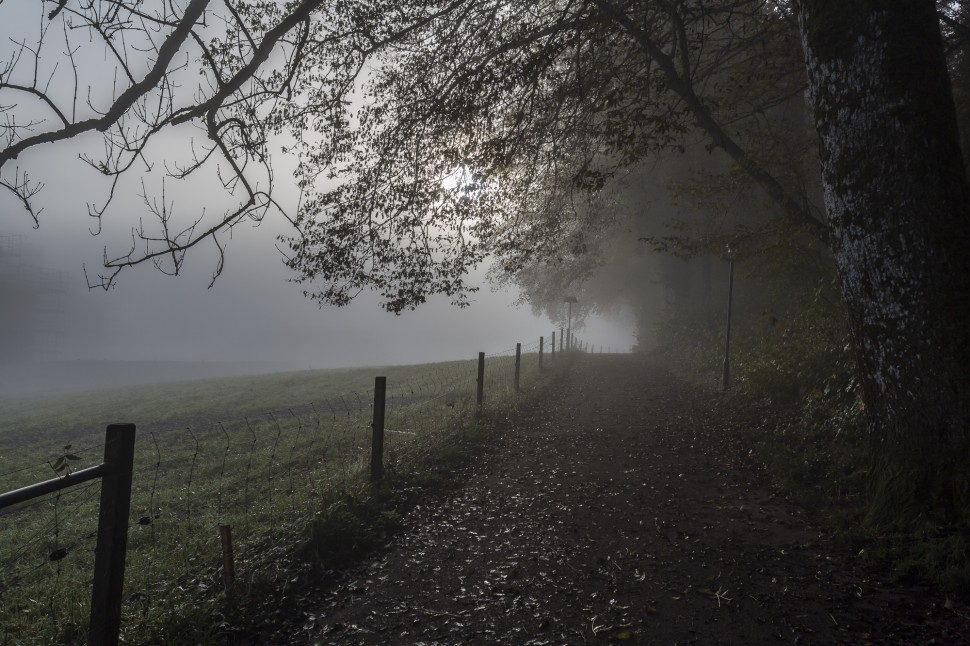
column 377, row 441
column 518, row 364
column 481, row 383
column 112, row 543
column 553, row 355
column 540, row 352
column 561, row 337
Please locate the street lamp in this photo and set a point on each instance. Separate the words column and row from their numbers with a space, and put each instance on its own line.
column 569, row 326
column 726, row 373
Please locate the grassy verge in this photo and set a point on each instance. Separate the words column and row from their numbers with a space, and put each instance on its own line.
column 278, row 458
column 818, row 456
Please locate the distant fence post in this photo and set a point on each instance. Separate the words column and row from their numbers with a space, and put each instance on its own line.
column 377, row 441
column 112, row 543
column 540, row 352
column 553, row 346
column 518, row 364
column 481, row 383
column 561, row 338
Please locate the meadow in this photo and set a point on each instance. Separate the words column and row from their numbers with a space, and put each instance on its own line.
column 266, row 455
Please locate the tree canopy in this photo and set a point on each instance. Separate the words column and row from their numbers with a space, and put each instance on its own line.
column 423, row 136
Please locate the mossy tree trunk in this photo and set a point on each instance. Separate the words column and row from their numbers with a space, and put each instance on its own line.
column 897, row 197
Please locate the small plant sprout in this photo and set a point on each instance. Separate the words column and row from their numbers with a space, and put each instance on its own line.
column 62, row 464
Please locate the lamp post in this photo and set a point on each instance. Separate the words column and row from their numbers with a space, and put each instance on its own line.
column 569, row 326
column 726, row 373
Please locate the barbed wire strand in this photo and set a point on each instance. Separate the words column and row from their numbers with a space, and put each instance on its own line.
column 46, row 463
column 72, row 504
column 291, row 461
column 56, row 558
column 249, row 463
column 222, row 473
column 188, row 487
column 152, row 516
column 272, row 455
column 15, row 569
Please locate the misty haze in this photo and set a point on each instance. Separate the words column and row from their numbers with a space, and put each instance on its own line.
column 484, row 322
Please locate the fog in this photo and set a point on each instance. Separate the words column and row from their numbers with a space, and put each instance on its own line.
column 56, row 333
column 251, row 320
column 153, row 327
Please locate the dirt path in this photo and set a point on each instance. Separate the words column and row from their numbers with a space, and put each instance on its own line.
column 621, row 508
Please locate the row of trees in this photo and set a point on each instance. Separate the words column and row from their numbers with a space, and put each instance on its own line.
column 428, row 136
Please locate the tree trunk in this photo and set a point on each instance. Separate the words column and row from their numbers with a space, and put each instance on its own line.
column 897, row 197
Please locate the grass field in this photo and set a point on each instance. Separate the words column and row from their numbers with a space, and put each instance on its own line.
column 265, row 454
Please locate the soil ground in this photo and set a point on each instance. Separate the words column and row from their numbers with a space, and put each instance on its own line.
column 624, row 507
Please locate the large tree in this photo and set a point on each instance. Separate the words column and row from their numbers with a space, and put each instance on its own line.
column 896, row 193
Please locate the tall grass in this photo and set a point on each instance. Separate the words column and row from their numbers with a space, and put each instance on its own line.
column 262, row 454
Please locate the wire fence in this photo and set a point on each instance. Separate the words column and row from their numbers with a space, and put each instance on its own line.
column 265, row 475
